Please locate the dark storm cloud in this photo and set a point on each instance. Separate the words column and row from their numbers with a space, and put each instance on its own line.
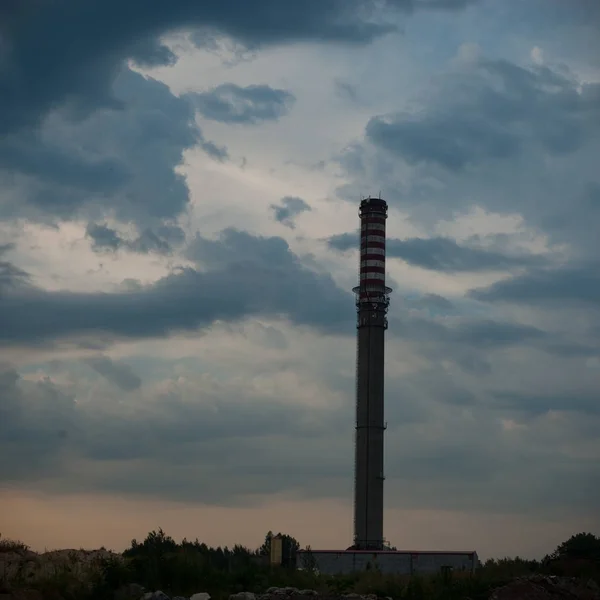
column 123, row 160
column 571, row 284
column 244, row 275
column 60, row 51
column 472, row 333
column 494, row 111
column 224, row 438
column 150, row 53
column 222, row 445
column 32, row 156
column 160, row 241
column 83, row 134
column 231, row 103
column 33, row 423
column 441, row 254
column 118, row 373
column 103, row 237
column 288, row 209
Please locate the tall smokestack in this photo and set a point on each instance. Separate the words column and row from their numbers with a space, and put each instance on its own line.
column 372, row 300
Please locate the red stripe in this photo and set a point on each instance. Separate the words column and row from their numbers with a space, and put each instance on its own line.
column 372, row 270
column 365, row 244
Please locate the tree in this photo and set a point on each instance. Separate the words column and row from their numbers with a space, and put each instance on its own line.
column 289, row 548
column 579, row 546
column 309, row 562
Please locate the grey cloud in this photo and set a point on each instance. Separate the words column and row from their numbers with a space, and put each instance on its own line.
column 442, row 254
column 244, row 275
column 119, row 374
column 122, row 160
column 149, row 53
column 346, row 90
column 58, row 53
column 471, row 332
column 32, row 156
column 103, row 237
column 551, row 117
column 231, row 103
column 571, row 284
column 226, row 439
column 435, row 301
column 122, row 449
column 539, row 404
column 485, row 333
column 495, row 111
column 33, row 423
column 10, row 275
column 161, row 241
column 288, row 209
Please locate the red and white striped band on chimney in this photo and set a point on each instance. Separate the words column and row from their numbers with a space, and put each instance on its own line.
column 372, row 256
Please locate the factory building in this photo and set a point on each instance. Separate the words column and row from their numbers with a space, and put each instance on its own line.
column 397, row 562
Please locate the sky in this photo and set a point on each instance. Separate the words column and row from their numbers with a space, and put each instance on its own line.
column 179, row 185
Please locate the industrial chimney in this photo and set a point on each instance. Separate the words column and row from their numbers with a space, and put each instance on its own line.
column 372, row 300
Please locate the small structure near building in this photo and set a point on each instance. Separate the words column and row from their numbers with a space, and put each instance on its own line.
column 399, row 562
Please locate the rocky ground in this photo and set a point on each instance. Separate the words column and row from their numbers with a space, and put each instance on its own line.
column 540, row 587
column 28, row 566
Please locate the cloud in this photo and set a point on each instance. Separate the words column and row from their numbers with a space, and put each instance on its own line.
column 346, row 90
column 539, row 404
column 122, row 446
column 225, row 433
column 434, row 301
column 442, row 254
column 122, row 161
column 492, row 112
column 119, row 374
column 105, row 238
column 10, row 275
column 244, row 275
column 288, row 209
column 231, row 103
column 56, row 55
column 492, row 135
column 570, row 285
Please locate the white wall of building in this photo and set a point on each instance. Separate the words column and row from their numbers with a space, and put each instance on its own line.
column 403, row 563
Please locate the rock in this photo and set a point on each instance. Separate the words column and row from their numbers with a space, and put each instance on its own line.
column 158, row 595
column 540, row 587
column 308, row 593
column 131, row 591
column 199, row 596
column 179, row 598
column 242, row 596
column 23, row 595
